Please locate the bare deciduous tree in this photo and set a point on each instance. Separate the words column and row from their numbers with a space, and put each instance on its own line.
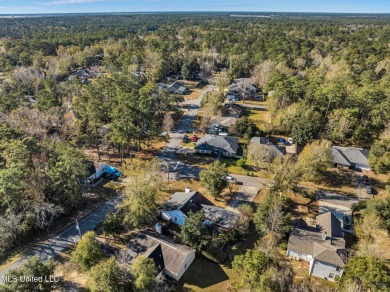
column 168, row 122
column 262, row 73
column 246, row 216
column 259, row 154
column 274, row 220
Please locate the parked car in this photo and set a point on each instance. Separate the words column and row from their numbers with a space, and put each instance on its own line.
column 231, row 179
column 194, row 138
column 290, row 140
column 233, row 99
column 368, row 190
column 346, row 222
column 185, row 139
column 365, row 180
column 283, row 141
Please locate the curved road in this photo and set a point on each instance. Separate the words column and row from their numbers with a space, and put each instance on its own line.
column 52, row 247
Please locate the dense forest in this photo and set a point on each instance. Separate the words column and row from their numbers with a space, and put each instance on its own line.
column 330, row 77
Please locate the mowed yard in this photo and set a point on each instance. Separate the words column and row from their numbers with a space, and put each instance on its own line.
column 261, row 118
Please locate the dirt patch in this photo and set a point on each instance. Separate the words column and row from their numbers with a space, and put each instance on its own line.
column 336, row 180
column 303, row 205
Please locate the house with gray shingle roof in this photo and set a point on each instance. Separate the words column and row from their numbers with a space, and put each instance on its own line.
column 177, row 88
column 178, row 207
column 274, row 150
column 171, row 258
column 322, row 246
column 218, row 145
column 354, row 158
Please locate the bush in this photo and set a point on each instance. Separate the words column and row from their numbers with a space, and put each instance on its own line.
column 105, row 277
column 113, row 223
column 241, row 162
column 283, row 245
column 233, row 236
column 88, row 251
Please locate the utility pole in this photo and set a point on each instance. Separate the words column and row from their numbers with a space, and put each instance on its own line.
column 78, row 227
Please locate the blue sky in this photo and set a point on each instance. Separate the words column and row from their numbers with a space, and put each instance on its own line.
column 65, row 6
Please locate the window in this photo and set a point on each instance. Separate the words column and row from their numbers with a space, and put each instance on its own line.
column 337, row 269
column 331, row 275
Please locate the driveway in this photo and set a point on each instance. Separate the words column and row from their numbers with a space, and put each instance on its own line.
column 248, row 188
column 64, row 240
column 340, row 206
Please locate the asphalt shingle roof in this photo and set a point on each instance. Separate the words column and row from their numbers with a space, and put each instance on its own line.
column 174, row 253
column 186, row 202
column 328, row 222
column 210, row 142
column 348, row 155
column 220, row 216
column 309, row 241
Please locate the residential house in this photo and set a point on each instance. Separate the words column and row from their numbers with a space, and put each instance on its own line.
column 242, row 87
column 221, row 217
column 353, row 158
column 232, row 110
column 217, row 145
column 84, row 74
column 225, row 122
column 340, row 206
column 322, row 246
column 274, row 150
column 177, row 88
column 171, row 258
column 178, row 207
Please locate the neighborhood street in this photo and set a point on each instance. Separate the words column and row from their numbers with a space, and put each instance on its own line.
column 64, row 240
column 180, row 170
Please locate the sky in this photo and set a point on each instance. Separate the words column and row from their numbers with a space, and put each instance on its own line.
column 82, row 6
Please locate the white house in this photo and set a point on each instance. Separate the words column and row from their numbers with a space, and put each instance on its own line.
column 323, row 247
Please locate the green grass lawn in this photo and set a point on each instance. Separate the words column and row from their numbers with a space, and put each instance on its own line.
column 233, row 168
column 261, row 119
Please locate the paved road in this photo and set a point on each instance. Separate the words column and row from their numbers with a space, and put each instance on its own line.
column 63, row 241
column 179, row 170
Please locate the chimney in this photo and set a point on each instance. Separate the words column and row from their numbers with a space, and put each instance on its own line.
column 187, row 189
column 324, row 235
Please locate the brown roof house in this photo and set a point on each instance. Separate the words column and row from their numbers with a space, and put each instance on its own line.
column 323, row 246
column 171, row 258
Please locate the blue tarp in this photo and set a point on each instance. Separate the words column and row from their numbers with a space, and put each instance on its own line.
column 112, row 171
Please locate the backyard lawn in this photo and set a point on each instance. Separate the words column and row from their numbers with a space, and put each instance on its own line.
column 261, row 118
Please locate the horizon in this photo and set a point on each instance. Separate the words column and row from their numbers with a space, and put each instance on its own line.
column 24, row 7
column 196, row 12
